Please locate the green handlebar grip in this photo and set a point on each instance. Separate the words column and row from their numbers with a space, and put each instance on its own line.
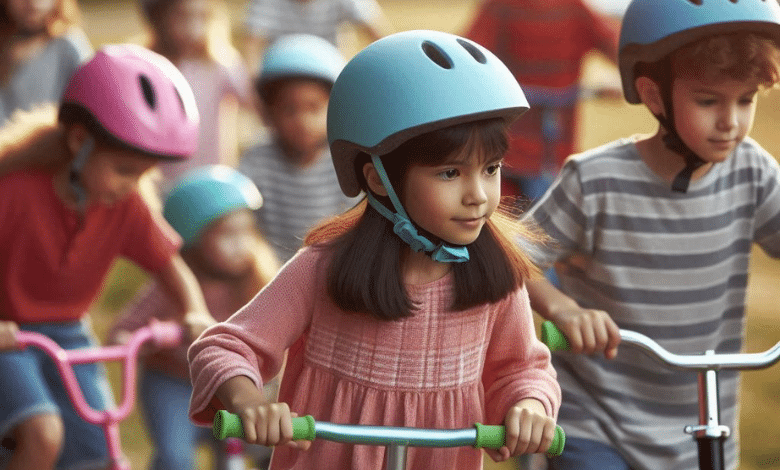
column 229, row 425
column 554, row 338
column 303, row 428
column 559, row 441
column 493, row 437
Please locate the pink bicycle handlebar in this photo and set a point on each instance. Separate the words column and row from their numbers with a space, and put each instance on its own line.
column 161, row 334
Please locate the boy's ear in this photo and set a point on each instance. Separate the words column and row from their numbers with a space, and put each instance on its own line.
column 75, row 136
column 373, row 180
column 650, row 94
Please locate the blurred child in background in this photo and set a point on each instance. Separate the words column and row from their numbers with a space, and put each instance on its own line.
column 293, row 170
column 211, row 209
column 268, row 20
column 544, row 43
column 195, row 36
column 63, row 226
column 41, row 45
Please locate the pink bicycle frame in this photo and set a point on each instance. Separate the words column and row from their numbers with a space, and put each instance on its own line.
column 161, row 334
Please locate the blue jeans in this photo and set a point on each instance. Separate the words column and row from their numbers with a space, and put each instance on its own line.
column 165, row 400
column 30, row 385
column 584, row 454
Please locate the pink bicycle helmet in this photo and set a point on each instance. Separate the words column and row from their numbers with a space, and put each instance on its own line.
column 137, row 98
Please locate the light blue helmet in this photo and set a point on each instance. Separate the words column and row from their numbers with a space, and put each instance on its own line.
column 410, row 83
column 652, row 29
column 205, row 194
column 300, row 56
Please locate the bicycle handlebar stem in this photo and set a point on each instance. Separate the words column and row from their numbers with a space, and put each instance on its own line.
column 709, row 433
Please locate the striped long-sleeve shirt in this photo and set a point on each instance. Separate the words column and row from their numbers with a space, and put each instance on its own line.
column 670, row 265
column 294, row 198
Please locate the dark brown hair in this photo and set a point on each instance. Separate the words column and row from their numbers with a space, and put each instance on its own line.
column 365, row 274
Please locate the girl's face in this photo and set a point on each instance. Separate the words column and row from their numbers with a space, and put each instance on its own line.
column 110, row 175
column 226, row 245
column 453, row 200
column 712, row 118
column 188, row 22
column 299, row 115
column 30, row 15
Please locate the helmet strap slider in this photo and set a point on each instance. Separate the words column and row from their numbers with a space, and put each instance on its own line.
column 405, row 229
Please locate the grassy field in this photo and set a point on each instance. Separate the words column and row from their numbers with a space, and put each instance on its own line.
column 601, row 121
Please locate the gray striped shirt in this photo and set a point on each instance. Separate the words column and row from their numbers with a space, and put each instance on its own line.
column 294, row 199
column 274, row 18
column 672, row 266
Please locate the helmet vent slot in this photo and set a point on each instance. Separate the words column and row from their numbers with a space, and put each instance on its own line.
column 696, row 2
column 148, row 91
column 438, row 56
column 473, row 50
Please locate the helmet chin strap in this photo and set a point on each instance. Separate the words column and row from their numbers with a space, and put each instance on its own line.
column 76, row 168
column 405, row 229
column 672, row 139
column 674, row 143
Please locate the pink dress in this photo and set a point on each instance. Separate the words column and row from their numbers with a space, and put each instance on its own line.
column 437, row 369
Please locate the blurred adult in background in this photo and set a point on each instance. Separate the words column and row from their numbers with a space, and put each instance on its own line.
column 267, row 20
column 544, row 43
column 41, row 45
column 195, row 36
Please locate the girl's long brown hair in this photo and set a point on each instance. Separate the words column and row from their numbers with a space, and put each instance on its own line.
column 365, row 274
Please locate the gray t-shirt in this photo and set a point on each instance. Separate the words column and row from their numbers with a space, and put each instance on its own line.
column 43, row 78
column 672, row 266
column 294, row 199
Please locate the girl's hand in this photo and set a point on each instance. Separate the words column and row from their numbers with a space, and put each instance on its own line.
column 8, row 330
column 528, row 431
column 588, row 331
column 268, row 424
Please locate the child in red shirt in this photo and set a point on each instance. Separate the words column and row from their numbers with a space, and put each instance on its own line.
column 543, row 43
column 62, row 226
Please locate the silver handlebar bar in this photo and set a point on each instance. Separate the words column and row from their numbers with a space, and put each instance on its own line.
column 556, row 341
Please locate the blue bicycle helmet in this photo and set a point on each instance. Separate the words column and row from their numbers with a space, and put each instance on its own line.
column 405, row 85
column 410, row 83
column 206, row 194
column 300, row 56
column 653, row 29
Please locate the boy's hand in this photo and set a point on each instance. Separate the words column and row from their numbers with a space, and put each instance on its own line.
column 589, row 331
column 8, row 330
column 528, row 431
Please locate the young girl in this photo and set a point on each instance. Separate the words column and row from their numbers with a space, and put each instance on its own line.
column 62, row 227
column 41, row 45
column 195, row 36
column 409, row 310
column 211, row 209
